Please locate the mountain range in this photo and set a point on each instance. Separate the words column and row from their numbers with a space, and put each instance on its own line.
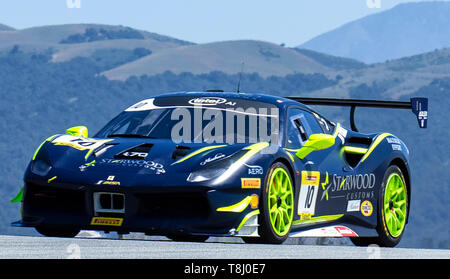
column 405, row 30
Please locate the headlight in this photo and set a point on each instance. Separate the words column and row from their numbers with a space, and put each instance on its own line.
column 40, row 167
column 215, row 169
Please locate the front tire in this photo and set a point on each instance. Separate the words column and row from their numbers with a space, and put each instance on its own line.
column 277, row 208
column 392, row 210
column 52, row 231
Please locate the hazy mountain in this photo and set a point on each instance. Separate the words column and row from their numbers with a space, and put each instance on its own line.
column 405, row 30
column 393, row 79
column 5, row 27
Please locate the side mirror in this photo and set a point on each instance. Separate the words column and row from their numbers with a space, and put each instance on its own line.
column 314, row 143
column 80, row 131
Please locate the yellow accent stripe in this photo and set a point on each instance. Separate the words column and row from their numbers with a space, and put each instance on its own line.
column 253, row 149
column 88, row 154
column 377, row 141
column 325, row 184
column 39, row 148
column 238, row 207
column 342, row 183
column 248, row 216
column 198, row 152
column 51, row 179
column 355, row 150
column 290, row 156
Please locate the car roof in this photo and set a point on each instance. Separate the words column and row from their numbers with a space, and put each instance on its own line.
column 278, row 101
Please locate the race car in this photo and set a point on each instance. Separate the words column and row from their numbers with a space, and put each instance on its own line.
column 190, row 165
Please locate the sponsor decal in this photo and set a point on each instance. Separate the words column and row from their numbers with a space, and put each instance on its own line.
column 151, row 165
column 109, row 181
column 353, row 205
column 331, row 231
column 104, row 221
column 78, row 142
column 254, row 201
column 396, row 147
column 254, row 170
column 132, row 154
column 345, row 232
column 250, row 183
column 366, row 208
column 308, row 192
column 305, row 216
column 211, row 159
column 393, row 140
column 348, row 186
column 342, row 134
column 210, row 101
column 353, row 182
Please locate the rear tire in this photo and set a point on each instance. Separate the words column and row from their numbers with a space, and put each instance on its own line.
column 392, row 211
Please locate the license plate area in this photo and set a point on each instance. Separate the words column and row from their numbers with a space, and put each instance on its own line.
column 106, row 202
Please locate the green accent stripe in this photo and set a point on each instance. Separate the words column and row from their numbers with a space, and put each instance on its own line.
column 248, row 216
column 18, row 197
column 319, row 219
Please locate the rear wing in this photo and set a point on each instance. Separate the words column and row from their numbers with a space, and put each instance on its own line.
column 418, row 105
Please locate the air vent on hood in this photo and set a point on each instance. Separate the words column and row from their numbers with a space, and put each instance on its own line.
column 137, row 152
column 180, row 151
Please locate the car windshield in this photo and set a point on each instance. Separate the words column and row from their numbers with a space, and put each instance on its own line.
column 196, row 124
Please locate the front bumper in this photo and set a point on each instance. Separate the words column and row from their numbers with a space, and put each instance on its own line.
column 154, row 210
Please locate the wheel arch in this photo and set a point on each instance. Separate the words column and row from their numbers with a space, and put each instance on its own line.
column 399, row 162
column 290, row 168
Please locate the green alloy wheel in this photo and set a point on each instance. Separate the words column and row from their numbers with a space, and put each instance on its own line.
column 277, row 208
column 392, row 210
column 281, row 201
column 395, row 201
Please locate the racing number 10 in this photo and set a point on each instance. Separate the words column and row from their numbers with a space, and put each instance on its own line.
column 309, row 196
column 308, row 192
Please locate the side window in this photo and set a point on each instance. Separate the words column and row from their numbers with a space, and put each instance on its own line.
column 301, row 124
column 327, row 126
column 296, row 130
column 313, row 124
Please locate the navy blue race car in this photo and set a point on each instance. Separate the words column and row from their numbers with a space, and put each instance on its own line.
column 196, row 164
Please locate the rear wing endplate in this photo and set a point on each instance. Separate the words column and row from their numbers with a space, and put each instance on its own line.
column 418, row 105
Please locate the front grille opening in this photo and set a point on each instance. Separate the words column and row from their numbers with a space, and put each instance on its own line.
column 56, row 199
column 109, row 203
column 118, row 202
column 105, row 201
column 173, row 205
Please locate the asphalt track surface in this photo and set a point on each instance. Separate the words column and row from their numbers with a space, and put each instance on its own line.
column 30, row 247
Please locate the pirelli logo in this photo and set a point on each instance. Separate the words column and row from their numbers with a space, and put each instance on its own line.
column 250, row 183
column 104, row 221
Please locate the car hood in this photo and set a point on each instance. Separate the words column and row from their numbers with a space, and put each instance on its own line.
column 128, row 161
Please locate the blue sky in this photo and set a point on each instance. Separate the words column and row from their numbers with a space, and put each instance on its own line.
column 279, row 21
